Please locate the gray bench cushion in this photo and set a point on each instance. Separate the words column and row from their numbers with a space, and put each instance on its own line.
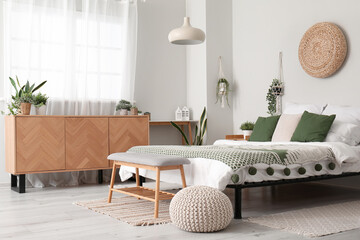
column 149, row 159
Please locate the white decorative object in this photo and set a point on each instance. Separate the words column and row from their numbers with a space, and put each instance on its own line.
column 201, row 209
column 186, row 34
column 123, row 112
column 41, row 110
column 185, row 114
column 178, row 114
column 247, row 133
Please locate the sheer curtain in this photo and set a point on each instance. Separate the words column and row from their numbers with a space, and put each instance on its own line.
column 85, row 49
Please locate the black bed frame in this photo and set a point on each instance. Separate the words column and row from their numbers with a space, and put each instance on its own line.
column 239, row 187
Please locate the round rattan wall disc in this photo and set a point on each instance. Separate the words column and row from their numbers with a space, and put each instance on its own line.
column 322, row 50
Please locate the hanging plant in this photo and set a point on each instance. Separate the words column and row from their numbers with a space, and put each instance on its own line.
column 275, row 89
column 222, row 92
column 222, row 87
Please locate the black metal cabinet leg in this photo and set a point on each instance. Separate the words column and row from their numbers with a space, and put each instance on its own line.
column 100, row 176
column 14, row 183
column 142, row 180
column 237, row 207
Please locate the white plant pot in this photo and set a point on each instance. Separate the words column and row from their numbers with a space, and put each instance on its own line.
column 41, row 110
column 124, row 112
column 247, row 133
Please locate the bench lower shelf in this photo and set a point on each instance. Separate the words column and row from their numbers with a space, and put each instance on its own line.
column 144, row 193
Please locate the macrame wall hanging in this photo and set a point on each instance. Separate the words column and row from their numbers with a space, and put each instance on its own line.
column 222, row 87
column 276, row 91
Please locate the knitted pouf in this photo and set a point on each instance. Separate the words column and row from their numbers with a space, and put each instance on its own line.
column 201, row 209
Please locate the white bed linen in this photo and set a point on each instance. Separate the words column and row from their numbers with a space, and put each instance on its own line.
column 216, row 174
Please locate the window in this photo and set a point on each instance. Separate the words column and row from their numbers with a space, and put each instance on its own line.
column 82, row 54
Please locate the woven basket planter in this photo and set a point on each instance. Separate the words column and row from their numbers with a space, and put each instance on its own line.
column 322, row 50
column 201, row 209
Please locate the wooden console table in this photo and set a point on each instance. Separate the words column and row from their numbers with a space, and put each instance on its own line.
column 45, row 144
column 179, row 123
column 237, row 137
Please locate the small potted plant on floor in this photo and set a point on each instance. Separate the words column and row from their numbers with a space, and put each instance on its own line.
column 40, row 101
column 123, row 106
column 247, row 128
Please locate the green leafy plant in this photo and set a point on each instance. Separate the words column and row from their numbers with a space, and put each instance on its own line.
column 222, row 93
column 22, row 94
column 123, row 104
column 26, row 98
column 40, row 99
column 200, row 130
column 271, row 97
column 247, row 126
column 27, row 88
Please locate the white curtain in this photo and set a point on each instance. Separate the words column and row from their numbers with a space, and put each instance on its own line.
column 85, row 49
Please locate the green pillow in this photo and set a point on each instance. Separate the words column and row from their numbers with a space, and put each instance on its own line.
column 264, row 129
column 312, row 127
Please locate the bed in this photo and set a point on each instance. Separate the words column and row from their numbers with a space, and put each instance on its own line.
column 266, row 163
column 217, row 174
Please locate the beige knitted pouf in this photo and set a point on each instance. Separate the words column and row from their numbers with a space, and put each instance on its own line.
column 201, row 209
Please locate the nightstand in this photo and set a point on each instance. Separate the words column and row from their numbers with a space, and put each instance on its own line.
column 236, row 137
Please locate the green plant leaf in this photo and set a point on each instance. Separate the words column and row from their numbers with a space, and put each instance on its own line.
column 39, row 86
column 196, row 130
column 13, row 83
column 182, row 133
column 27, row 86
column 203, row 131
column 17, row 80
column 31, row 88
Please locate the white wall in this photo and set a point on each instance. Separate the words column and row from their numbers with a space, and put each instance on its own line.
column 161, row 67
column 219, row 43
column 262, row 28
column 196, row 61
column 215, row 18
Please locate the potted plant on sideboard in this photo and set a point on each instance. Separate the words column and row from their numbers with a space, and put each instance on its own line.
column 23, row 98
column 123, row 106
column 40, row 101
column 247, row 128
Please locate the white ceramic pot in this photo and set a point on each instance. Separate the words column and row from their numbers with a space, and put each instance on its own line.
column 247, row 133
column 41, row 110
column 123, row 112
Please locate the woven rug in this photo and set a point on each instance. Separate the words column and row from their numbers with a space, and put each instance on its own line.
column 130, row 210
column 315, row 222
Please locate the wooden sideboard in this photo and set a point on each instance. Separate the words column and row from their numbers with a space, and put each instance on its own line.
column 43, row 144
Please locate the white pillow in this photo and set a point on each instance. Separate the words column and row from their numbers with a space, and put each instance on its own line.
column 296, row 108
column 285, row 127
column 344, row 114
column 344, row 132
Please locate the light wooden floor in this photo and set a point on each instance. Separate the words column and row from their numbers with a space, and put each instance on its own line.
column 49, row 214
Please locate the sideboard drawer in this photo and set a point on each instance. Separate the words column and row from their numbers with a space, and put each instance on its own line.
column 86, row 143
column 40, row 144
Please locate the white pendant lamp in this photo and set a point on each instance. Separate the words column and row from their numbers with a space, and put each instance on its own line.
column 186, row 34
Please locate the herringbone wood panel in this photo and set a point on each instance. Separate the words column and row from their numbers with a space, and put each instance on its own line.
column 128, row 132
column 86, row 143
column 40, row 144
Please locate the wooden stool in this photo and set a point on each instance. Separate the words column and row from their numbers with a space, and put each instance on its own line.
column 153, row 162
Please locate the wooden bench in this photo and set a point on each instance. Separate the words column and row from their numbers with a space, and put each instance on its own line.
column 150, row 162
